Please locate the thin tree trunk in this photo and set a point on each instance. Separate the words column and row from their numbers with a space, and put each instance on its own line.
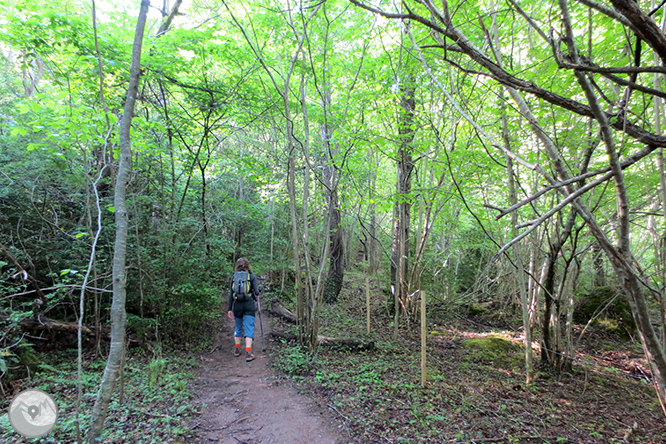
column 621, row 257
column 89, row 270
column 118, row 315
column 520, row 277
column 308, row 320
column 374, row 258
column 660, row 243
column 549, row 352
column 336, row 252
column 598, row 264
column 402, row 211
column 335, row 235
column 568, row 338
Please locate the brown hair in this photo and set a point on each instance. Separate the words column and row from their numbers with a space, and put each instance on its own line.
column 242, row 264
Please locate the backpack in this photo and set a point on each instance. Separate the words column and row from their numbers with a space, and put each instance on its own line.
column 241, row 286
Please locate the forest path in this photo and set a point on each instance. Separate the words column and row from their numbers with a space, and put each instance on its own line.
column 243, row 402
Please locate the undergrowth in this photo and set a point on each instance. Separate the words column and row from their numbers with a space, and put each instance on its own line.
column 475, row 390
column 154, row 408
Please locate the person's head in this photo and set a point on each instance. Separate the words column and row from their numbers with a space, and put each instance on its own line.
column 242, row 264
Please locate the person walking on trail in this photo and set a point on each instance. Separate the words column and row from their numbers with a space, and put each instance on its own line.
column 243, row 306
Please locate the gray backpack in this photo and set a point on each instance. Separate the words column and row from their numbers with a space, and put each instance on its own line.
column 241, row 286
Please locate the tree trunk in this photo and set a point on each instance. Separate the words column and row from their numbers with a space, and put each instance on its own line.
column 373, row 247
column 621, row 257
column 335, row 236
column 550, row 351
column 44, row 323
column 402, row 210
column 660, row 238
column 336, row 269
column 520, row 276
column 118, row 315
column 598, row 264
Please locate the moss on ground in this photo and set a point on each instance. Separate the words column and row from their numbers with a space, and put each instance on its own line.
column 494, row 350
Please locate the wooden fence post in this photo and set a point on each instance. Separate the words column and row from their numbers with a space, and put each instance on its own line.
column 423, row 338
column 367, row 301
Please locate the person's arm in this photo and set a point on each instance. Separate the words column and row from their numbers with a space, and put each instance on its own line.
column 230, row 313
column 254, row 287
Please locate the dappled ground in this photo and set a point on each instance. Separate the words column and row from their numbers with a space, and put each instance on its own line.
column 475, row 391
column 243, row 402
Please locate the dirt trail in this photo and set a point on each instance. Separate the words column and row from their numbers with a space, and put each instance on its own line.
column 242, row 402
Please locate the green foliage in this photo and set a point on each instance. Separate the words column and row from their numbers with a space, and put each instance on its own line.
column 156, row 368
column 293, row 360
column 158, row 409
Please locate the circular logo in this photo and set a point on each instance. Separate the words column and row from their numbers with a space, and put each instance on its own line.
column 33, row 413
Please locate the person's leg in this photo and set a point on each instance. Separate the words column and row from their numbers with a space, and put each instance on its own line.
column 238, row 334
column 248, row 321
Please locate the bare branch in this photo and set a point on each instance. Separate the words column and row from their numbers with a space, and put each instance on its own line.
column 164, row 27
column 643, row 25
column 451, row 32
column 609, row 12
column 629, row 161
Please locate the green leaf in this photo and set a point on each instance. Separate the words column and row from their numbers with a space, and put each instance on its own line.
column 111, row 209
column 48, row 367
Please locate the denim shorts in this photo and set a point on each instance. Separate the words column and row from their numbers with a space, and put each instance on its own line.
column 248, row 322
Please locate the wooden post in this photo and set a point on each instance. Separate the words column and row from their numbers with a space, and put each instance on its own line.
column 367, row 302
column 423, row 338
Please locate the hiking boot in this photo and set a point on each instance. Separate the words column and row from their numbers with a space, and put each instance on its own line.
column 249, row 356
column 236, row 351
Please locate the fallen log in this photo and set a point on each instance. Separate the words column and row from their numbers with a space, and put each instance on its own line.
column 44, row 323
column 280, row 311
column 327, row 341
column 346, row 343
column 286, row 335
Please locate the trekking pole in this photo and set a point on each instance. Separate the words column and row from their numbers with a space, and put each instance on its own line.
column 261, row 324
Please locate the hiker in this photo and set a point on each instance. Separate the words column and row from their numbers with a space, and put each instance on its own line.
column 242, row 306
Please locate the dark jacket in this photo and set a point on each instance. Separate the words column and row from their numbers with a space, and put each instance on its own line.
column 248, row 307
